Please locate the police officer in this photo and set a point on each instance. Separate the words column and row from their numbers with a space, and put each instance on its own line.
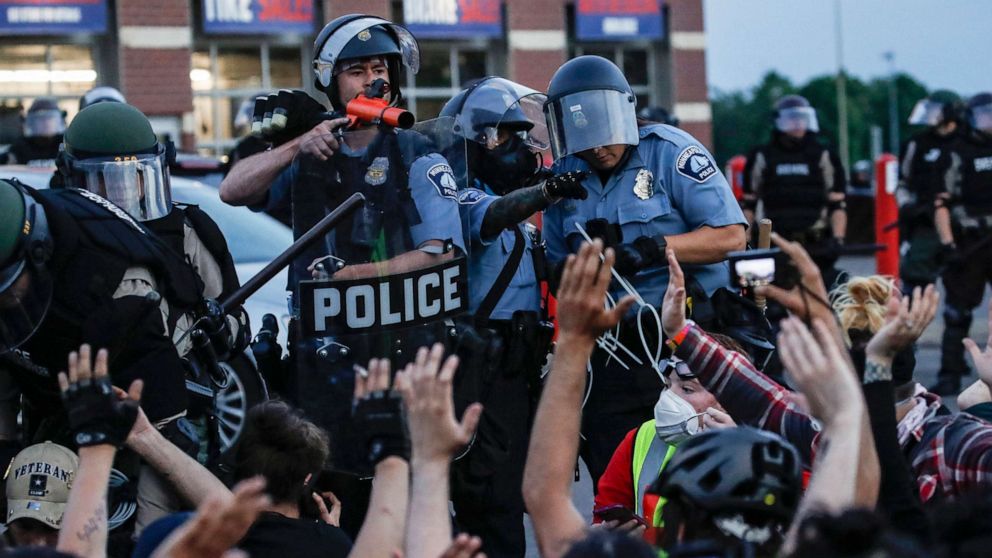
column 658, row 115
column 43, row 128
column 75, row 268
column 922, row 168
column 506, row 342
column 964, row 223
column 111, row 150
column 101, row 94
column 649, row 188
column 410, row 222
column 800, row 184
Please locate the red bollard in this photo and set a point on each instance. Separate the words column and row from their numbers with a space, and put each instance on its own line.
column 734, row 171
column 887, row 214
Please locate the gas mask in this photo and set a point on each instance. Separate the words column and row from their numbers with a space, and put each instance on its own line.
column 674, row 418
column 508, row 166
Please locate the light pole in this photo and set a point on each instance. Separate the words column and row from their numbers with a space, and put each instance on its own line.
column 890, row 57
column 841, row 88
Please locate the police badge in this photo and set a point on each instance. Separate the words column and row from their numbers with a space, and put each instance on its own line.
column 376, row 173
column 644, row 184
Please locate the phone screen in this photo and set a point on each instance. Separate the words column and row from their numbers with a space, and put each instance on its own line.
column 756, row 272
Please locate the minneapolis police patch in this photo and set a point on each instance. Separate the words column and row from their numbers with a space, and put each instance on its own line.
column 442, row 179
column 471, row 196
column 694, row 163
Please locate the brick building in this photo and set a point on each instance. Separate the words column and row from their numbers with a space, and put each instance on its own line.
column 189, row 64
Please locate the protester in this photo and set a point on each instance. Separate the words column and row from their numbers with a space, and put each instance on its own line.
column 38, row 482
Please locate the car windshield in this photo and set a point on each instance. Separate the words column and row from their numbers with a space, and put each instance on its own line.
column 251, row 237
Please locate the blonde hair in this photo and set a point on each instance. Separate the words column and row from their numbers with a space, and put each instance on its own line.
column 860, row 303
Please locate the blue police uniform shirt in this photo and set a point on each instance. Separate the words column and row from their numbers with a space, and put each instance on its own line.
column 488, row 256
column 432, row 188
column 669, row 185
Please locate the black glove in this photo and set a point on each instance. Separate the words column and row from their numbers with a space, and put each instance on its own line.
column 96, row 415
column 637, row 255
column 285, row 115
column 568, row 185
column 381, row 423
column 216, row 326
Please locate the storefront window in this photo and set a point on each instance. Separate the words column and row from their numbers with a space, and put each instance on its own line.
column 224, row 76
column 444, row 69
column 637, row 64
column 28, row 71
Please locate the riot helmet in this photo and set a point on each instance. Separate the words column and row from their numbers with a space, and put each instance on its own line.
column 980, row 112
column 356, row 37
column 505, row 129
column 740, row 482
column 102, row 94
column 937, row 108
column 659, row 115
column 794, row 114
column 44, row 119
column 590, row 104
column 111, row 150
column 25, row 280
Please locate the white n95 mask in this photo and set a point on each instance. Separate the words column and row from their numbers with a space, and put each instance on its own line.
column 674, row 418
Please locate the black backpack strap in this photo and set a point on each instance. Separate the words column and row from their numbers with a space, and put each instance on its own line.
column 502, row 281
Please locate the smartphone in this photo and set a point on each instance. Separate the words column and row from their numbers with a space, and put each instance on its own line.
column 617, row 512
column 754, row 268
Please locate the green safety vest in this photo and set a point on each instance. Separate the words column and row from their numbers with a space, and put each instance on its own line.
column 650, row 457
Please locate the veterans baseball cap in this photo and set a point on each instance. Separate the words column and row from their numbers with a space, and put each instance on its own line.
column 38, row 483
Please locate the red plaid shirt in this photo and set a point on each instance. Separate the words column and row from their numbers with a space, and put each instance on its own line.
column 749, row 396
column 948, row 454
column 951, row 455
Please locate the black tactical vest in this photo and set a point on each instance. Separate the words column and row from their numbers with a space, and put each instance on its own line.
column 794, row 190
column 928, row 165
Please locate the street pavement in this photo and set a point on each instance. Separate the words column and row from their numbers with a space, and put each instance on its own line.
column 927, row 365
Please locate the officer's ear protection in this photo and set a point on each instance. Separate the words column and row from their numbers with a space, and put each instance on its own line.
column 63, row 164
column 170, row 152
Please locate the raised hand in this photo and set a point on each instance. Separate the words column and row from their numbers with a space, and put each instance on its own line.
column 97, row 415
column 379, row 416
column 806, row 305
column 435, row 433
column 904, row 323
column 818, row 367
column 582, row 312
column 673, row 306
column 982, row 358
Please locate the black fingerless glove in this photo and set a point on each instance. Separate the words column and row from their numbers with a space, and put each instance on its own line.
column 381, row 423
column 568, row 185
column 285, row 115
column 96, row 415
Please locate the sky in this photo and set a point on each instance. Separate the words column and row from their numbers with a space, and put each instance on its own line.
column 942, row 43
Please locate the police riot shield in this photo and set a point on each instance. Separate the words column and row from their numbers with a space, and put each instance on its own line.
column 389, row 279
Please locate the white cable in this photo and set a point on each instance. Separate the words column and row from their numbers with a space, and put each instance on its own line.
column 627, row 286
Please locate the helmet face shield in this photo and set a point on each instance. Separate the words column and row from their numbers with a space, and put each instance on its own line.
column 24, row 300
column 498, row 108
column 926, row 113
column 45, row 123
column 589, row 119
column 138, row 184
column 797, row 119
column 25, row 283
column 980, row 118
column 330, row 52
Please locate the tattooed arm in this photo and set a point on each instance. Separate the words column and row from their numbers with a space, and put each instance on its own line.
column 511, row 209
column 521, row 204
column 84, row 523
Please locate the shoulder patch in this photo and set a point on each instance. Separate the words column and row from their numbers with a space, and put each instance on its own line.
column 694, row 163
column 471, row 196
column 443, row 181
